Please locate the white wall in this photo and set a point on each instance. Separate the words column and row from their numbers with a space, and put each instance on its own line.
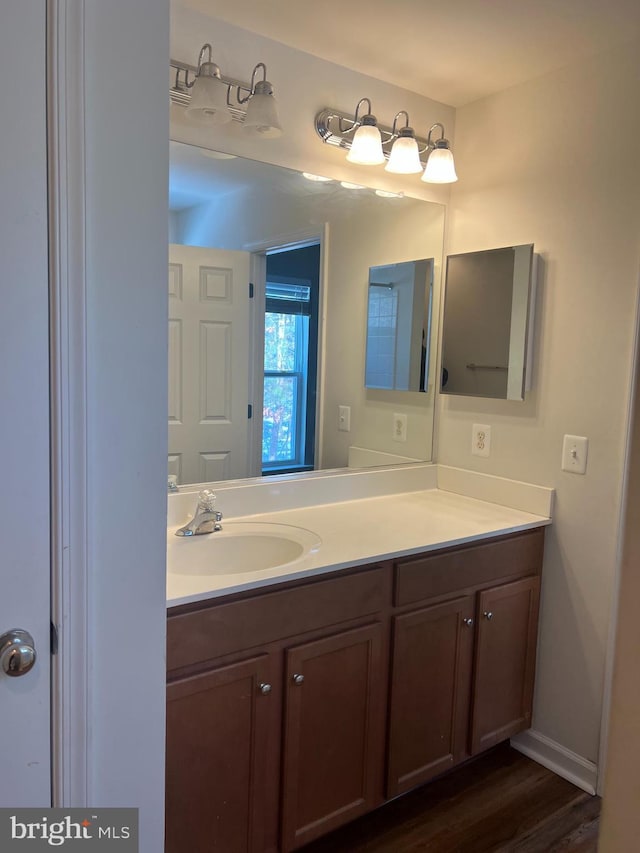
column 555, row 162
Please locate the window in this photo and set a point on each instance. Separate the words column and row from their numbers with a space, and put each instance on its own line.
column 287, row 434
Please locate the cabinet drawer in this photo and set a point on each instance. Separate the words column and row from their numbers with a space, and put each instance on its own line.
column 239, row 625
column 442, row 573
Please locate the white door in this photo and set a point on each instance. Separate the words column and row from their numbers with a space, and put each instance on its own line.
column 24, row 401
column 209, row 344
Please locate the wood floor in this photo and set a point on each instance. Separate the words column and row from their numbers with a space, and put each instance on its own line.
column 500, row 802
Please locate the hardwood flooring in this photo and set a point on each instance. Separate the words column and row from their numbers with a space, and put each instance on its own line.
column 501, row 802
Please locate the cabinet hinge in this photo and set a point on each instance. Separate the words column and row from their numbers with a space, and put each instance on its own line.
column 53, row 634
column 250, row 290
column 249, row 411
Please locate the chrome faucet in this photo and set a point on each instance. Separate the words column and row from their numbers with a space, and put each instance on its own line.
column 206, row 519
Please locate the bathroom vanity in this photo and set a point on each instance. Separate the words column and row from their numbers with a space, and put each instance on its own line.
column 296, row 707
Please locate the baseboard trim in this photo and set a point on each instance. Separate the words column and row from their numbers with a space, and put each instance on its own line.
column 552, row 755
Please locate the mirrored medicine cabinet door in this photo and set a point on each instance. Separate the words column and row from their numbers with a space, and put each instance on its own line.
column 488, row 323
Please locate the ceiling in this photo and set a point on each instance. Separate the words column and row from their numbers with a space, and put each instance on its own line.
column 454, row 52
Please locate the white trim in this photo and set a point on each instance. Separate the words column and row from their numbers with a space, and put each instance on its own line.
column 620, row 542
column 552, row 755
column 256, row 362
column 70, row 673
column 290, row 240
column 321, row 377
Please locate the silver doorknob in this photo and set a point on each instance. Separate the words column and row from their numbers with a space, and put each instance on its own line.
column 468, row 622
column 17, row 652
column 298, row 678
column 488, row 614
column 264, row 688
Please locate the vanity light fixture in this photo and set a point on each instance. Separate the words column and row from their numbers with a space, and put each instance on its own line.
column 366, row 148
column 404, row 158
column 209, row 97
column 209, row 94
column 262, row 109
column 440, row 168
column 349, row 186
column 405, row 152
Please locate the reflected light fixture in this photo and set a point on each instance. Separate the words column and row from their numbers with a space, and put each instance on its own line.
column 440, row 168
column 405, row 152
column 366, row 148
column 318, row 179
column 389, row 194
column 209, row 97
column 404, row 158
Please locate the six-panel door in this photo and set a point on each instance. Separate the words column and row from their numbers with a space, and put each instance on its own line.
column 218, row 734
column 505, row 657
column 333, row 746
column 430, row 687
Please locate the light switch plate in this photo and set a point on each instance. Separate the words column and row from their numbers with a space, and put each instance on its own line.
column 575, row 449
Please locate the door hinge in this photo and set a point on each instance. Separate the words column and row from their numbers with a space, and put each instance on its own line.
column 53, row 633
column 250, row 290
column 249, row 411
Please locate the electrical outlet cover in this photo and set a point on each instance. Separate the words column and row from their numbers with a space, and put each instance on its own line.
column 399, row 427
column 481, row 440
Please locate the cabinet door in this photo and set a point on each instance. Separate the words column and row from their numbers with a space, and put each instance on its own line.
column 504, row 662
column 430, row 689
column 333, row 752
column 218, row 727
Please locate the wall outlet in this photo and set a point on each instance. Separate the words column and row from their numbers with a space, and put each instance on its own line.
column 399, row 427
column 344, row 418
column 574, row 454
column 481, row 440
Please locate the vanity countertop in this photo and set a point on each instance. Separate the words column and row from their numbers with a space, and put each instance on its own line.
column 357, row 532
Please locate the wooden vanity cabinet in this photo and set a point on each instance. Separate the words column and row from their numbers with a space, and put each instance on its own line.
column 504, row 666
column 463, row 664
column 293, row 710
column 333, row 757
column 430, row 692
column 276, row 714
column 220, row 723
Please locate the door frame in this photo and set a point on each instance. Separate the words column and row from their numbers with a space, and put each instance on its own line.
column 108, row 201
column 67, row 300
column 314, row 235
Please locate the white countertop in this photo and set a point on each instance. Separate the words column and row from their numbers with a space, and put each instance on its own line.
column 360, row 531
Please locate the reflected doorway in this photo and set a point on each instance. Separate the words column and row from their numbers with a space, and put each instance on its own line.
column 292, row 296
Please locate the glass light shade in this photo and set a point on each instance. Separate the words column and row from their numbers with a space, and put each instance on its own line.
column 209, row 101
column 262, row 116
column 366, row 148
column 440, row 168
column 405, row 157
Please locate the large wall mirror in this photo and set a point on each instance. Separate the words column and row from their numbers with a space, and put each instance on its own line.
column 487, row 326
column 269, row 276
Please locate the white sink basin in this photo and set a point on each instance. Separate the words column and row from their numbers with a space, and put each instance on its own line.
column 239, row 548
